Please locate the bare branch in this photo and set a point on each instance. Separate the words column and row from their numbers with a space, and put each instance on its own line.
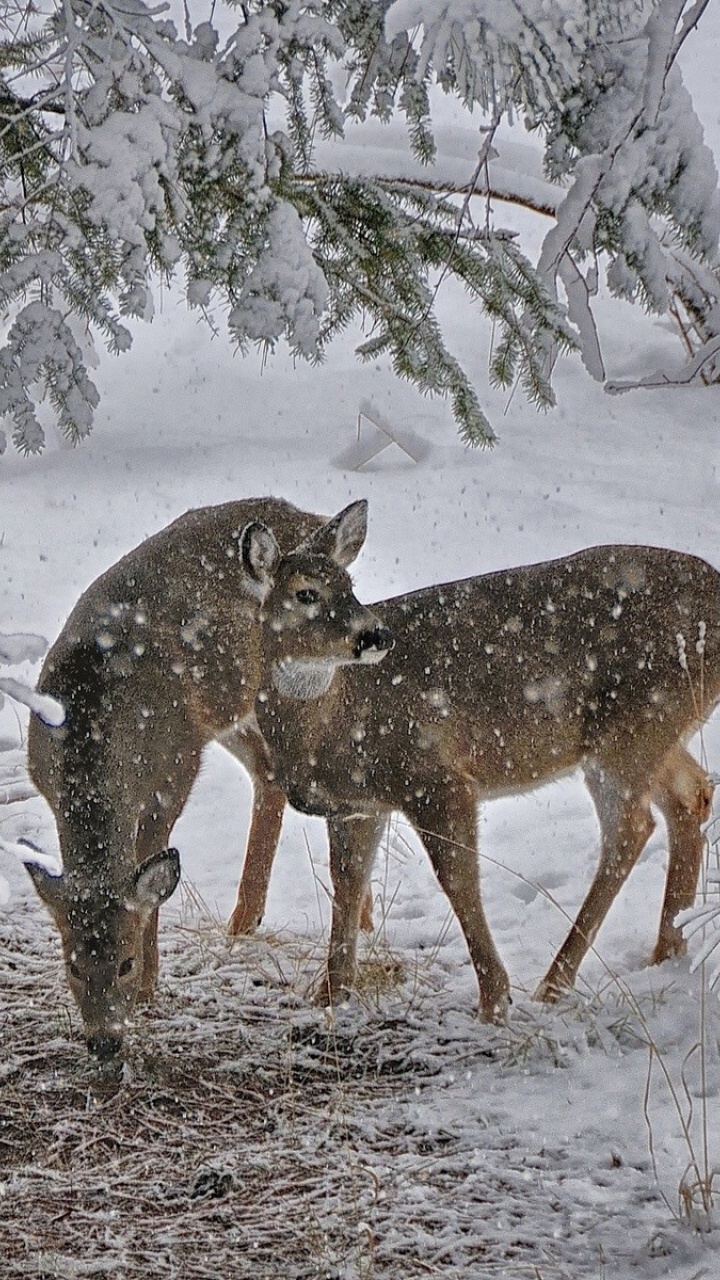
column 689, row 23
column 709, row 352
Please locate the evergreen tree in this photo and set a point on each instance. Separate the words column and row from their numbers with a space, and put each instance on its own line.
column 131, row 152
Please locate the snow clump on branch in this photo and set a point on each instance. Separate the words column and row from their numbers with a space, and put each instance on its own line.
column 129, row 155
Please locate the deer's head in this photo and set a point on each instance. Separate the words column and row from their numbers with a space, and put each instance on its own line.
column 102, row 927
column 313, row 623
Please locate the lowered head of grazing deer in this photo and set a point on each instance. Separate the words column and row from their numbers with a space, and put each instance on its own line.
column 103, row 941
column 104, row 900
column 161, row 655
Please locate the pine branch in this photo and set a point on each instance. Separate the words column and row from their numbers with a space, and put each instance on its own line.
column 129, row 154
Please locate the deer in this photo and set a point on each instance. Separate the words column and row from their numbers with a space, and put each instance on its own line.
column 606, row 661
column 160, row 655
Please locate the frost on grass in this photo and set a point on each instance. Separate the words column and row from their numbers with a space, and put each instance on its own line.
column 402, row 1139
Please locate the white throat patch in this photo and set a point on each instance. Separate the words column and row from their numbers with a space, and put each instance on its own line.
column 303, row 678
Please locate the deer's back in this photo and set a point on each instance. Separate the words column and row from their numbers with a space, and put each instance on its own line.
column 514, row 677
column 160, row 652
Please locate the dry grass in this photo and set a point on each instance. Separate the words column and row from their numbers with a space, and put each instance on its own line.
column 233, row 1147
column 252, row 1137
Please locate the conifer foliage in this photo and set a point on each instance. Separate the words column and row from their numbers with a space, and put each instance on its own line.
column 135, row 148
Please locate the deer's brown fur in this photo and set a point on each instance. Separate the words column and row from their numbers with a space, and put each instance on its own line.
column 606, row 661
column 159, row 656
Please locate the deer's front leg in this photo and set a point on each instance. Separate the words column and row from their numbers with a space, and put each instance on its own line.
column 263, row 837
column 353, row 842
column 445, row 818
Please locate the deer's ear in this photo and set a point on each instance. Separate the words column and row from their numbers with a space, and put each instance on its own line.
column 155, row 879
column 50, row 888
column 342, row 537
column 259, row 553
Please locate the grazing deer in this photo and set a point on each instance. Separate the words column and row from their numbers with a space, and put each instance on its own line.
column 607, row 661
column 159, row 656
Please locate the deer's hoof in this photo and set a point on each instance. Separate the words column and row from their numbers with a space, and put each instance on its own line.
column 329, row 996
column 495, row 1012
column 669, row 948
column 242, row 923
column 550, row 990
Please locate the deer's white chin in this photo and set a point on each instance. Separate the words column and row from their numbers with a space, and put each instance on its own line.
column 373, row 655
column 303, row 678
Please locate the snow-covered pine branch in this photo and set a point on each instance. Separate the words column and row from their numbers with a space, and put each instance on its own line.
column 130, row 153
column 18, row 648
column 15, row 649
column 602, row 86
column 15, row 785
column 21, row 648
column 45, row 708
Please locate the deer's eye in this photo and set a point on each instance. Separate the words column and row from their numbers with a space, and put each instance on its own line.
column 307, row 595
column 75, row 972
column 125, row 967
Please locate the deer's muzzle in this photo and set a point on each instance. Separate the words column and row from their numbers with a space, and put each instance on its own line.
column 372, row 645
column 104, row 1048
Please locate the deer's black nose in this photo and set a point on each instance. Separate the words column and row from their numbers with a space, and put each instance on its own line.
column 104, row 1048
column 378, row 640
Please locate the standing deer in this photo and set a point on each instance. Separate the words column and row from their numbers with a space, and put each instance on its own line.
column 607, row 661
column 159, row 656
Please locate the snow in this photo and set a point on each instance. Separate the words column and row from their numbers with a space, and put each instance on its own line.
column 48, row 709
column 563, row 1126
column 285, row 291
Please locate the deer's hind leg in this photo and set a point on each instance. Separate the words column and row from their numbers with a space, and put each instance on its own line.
column 626, row 823
column 683, row 793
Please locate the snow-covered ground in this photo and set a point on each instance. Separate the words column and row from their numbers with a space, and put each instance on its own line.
column 558, row 1106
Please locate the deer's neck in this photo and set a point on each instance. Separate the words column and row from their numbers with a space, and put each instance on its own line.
column 302, row 679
